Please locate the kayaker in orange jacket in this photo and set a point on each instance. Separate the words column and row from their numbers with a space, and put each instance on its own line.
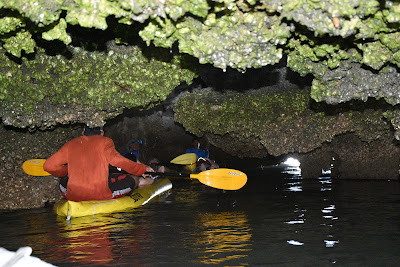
column 83, row 163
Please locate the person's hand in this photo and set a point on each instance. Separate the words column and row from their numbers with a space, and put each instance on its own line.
column 161, row 169
column 149, row 169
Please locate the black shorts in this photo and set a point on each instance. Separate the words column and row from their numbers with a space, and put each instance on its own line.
column 119, row 184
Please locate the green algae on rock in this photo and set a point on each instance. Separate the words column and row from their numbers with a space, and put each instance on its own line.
column 319, row 16
column 238, row 34
column 50, row 90
column 320, row 38
column 352, row 81
column 236, row 40
column 394, row 117
column 59, row 32
column 22, row 41
column 275, row 123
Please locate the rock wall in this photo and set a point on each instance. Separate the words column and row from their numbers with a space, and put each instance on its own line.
column 348, row 157
column 19, row 190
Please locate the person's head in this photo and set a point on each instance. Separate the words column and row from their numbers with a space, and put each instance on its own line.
column 92, row 131
column 154, row 162
column 196, row 143
column 134, row 144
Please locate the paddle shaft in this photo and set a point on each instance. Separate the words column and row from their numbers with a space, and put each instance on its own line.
column 221, row 178
column 169, row 174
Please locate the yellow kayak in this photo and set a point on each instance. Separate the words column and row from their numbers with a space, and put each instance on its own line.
column 138, row 198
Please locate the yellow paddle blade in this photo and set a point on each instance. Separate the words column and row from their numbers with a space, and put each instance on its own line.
column 185, row 159
column 191, row 167
column 227, row 179
column 34, row 167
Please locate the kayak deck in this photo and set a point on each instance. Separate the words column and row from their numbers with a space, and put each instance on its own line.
column 139, row 197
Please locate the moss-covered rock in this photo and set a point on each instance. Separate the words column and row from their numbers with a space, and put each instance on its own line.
column 317, row 35
column 238, row 40
column 270, row 123
column 351, row 47
column 88, row 87
column 352, row 81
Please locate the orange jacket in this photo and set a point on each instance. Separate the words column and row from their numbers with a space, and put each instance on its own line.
column 86, row 160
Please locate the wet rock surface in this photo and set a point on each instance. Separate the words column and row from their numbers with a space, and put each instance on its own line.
column 286, row 122
column 353, row 81
column 19, row 190
column 350, row 158
column 79, row 86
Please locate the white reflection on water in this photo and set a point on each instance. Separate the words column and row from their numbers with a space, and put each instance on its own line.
column 295, row 243
column 294, row 176
column 300, row 220
column 295, row 189
column 330, row 217
column 330, row 243
column 326, row 189
column 326, row 185
column 299, row 224
column 329, row 209
column 328, row 181
column 295, row 221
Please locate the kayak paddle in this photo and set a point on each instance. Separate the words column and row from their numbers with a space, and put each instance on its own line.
column 185, row 159
column 227, row 179
column 34, row 167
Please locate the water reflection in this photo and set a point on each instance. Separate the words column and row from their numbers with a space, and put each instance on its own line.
column 328, row 212
column 308, row 219
column 293, row 182
column 222, row 236
column 347, row 223
column 326, row 183
column 97, row 240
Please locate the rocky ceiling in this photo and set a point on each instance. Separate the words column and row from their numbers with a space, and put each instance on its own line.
column 66, row 61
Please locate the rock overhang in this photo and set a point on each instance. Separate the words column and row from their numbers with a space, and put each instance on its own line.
column 339, row 43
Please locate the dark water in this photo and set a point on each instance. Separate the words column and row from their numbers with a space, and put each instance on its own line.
column 275, row 220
